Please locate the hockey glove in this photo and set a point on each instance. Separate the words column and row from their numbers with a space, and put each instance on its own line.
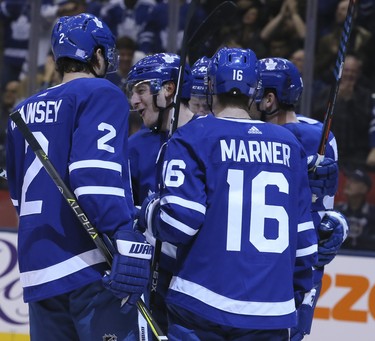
column 148, row 210
column 130, row 272
column 305, row 314
column 323, row 176
column 333, row 230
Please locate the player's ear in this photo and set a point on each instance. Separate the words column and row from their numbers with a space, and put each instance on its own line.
column 170, row 88
column 270, row 99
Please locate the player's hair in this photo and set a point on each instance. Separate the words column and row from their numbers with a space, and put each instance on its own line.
column 68, row 65
column 239, row 101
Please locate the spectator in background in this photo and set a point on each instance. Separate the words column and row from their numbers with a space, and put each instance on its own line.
column 154, row 38
column 325, row 16
column 14, row 16
column 287, row 29
column 298, row 59
column 360, row 43
column 246, row 30
column 353, row 110
column 50, row 76
column 128, row 56
column 9, row 99
column 50, row 10
column 359, row 212
column 127, row 17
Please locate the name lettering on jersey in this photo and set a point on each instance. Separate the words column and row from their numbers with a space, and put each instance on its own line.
column 40, row 112
column 255, row 151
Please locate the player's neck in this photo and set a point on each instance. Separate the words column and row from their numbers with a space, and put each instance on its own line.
column 232, row 112
column 282, row 117
column 75, row 75
column 185, row 115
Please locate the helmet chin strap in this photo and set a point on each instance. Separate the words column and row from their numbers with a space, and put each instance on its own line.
column 265, row 114
column 157, row 127
column 94, row 72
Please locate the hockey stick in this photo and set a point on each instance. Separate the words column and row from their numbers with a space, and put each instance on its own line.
column 204, row 31
column 155, row 265
column 72, row 202
column 220, row 15
column 348, row 25
column 181, row 69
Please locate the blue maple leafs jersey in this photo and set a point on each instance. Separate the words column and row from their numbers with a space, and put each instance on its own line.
column 144, row 149
column 236, row 201
column 82, row 126
column 309, row 132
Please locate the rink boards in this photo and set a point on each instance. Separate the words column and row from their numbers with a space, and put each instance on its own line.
column 345, row 311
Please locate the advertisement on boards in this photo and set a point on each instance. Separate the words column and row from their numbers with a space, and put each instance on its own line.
column 14, row 315
column 345, row 310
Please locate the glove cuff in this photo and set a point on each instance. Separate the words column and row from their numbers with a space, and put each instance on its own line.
column 132, row 244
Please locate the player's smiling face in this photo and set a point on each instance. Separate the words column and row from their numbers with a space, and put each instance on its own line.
column 141, row 100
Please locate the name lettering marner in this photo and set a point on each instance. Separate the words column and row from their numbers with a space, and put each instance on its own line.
column 255, row 151
column 40, row 112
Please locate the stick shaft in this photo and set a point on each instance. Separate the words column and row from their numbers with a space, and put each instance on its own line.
column 348, row 25
column 73, row 203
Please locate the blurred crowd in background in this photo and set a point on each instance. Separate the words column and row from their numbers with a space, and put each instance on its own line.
column 271, row 28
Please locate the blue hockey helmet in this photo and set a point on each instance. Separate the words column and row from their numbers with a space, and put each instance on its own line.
column 158, row 69
column 78, row 36
column 199, row 72
column 283, row 76
column 233, row 71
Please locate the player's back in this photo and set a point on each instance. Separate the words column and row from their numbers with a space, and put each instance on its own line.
column 75, row 127
column 248, row 219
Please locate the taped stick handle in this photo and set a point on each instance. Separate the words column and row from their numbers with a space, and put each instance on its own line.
column 73, row 203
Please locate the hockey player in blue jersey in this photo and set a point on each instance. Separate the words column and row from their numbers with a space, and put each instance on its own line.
column 151, row 86
column 82, row 126
column 236, row 201
column 198, row 97
column 282, row 87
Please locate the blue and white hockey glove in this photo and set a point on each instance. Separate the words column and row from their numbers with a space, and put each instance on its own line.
column 130, row 272
column 148, row 210
column 333, row 230
column 305, row 314
column 323, row 175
